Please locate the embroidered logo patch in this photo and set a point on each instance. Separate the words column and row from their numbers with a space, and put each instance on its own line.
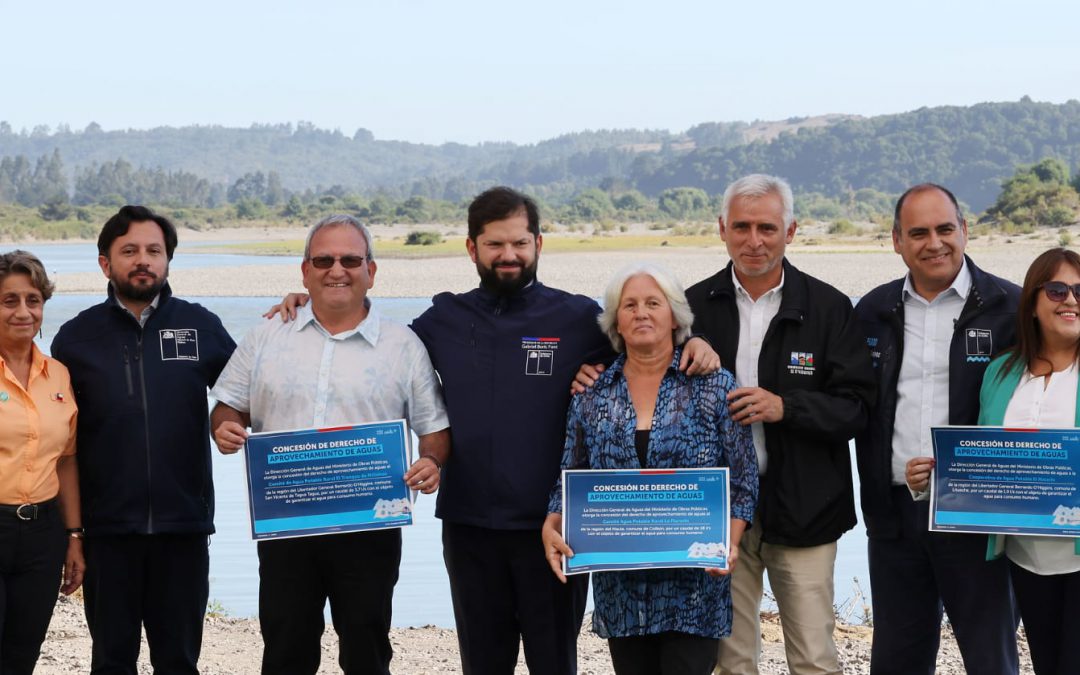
column 875, row 354
column 179, row 344
column 979, row 343
column 540, row 354
column 801, row 363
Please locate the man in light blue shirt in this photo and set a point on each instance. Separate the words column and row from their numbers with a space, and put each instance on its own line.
column 339, row 363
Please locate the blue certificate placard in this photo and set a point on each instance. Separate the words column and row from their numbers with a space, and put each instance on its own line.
column 645, row 518
column 323, row 481
column 1006, row 481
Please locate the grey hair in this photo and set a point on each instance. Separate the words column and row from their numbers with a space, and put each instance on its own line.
column 759, row 185
column 24, row 262
column 340, row 219
column 680, row 309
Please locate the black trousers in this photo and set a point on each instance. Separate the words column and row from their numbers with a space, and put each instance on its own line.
column 669, row 653
column 31, row 559
column 505, row 593
column 356, row 572
column 914, row 577
column 1050, row 608
column 156, row 581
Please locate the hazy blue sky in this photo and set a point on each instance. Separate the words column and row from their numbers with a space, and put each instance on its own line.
column 458, row 70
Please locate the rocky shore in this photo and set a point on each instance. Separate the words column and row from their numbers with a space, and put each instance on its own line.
column 232, row 646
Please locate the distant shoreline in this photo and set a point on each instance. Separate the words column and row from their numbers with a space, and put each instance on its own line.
column 572, row 261
column 853, row 271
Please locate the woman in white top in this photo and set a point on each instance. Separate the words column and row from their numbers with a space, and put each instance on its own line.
column 1035, row 385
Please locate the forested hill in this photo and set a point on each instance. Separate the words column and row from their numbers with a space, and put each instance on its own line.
column 972, row 149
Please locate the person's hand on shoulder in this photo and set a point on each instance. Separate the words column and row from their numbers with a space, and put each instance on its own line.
column 587, row 375
column 286, row 309
column 699, row 358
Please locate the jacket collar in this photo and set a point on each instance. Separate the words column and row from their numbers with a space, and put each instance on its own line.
column 793, row 303
column 158, row 302
column 986, row 290
column 498, row 302
column 164, row 294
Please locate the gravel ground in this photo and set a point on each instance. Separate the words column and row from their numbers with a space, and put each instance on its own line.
column 233, row 647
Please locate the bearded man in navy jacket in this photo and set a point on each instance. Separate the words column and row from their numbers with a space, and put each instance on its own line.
column 507, row 353
column 141, row 363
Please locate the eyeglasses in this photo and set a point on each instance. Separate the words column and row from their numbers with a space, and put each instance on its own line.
column 349, row 262
column 1058, row 291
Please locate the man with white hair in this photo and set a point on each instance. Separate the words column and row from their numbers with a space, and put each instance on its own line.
column 805, row 386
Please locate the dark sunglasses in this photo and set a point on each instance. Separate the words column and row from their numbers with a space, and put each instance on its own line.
column 349, row 262
column 1058, row 291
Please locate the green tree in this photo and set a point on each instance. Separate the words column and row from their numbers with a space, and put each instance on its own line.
column 55, row 209
column 274, row 193
column 251, row 209
column 592, row 204
column 294, row 209
column 1039, row 194
column 631, row 203
column 684, row 203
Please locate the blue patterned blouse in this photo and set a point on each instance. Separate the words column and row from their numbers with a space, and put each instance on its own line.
column 691, row 427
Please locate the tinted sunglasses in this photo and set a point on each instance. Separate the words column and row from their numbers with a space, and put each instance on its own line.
column 349, row 262
column 1058, row 291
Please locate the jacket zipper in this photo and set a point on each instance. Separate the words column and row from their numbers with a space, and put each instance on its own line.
column 127, row 372
column 146, row 427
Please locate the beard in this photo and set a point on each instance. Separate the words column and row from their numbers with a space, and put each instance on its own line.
column 503, row 286
column 139, row 292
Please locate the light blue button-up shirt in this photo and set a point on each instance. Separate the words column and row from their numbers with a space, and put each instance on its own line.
column 298, row 376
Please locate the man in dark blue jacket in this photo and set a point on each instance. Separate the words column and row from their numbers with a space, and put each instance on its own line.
column 141, row 363
column 931, row 336
column 507, row 353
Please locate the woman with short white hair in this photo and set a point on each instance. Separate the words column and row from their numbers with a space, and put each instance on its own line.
column 659, row 620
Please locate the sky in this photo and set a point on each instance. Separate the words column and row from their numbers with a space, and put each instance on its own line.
column 434, row 71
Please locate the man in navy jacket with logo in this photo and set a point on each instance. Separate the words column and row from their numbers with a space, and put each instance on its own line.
column 507, row 353
column 140, row 364
column 931, row 335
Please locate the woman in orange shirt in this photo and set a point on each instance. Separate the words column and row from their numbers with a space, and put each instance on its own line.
column 39, row 479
